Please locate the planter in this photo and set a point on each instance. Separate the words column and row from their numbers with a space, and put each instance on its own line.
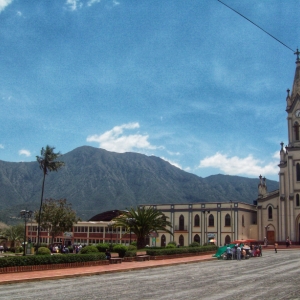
column 128, row 259
column 158, row 257
column 53, row 266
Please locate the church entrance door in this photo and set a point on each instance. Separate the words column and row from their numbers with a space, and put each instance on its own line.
column 271, row 237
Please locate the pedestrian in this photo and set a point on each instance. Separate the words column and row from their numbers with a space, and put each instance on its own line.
column 265, row 242
column 228, row 252
column 238, row 252
column 275, row 247
column 260, row 249
column 287, row 242
column 107, row 253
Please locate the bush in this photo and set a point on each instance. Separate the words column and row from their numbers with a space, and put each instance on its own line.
column 131, row 248
column 171, row 246
column 102, row 247
column 171, row 251
column 134, row 243
column 49, row 259
column 130, row 253
column 43, row 251
column 172, row 243
column 89, row 250
column 194, row 244
column 121, row 249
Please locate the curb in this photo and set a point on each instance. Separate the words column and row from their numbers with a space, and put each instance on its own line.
column 92, row 273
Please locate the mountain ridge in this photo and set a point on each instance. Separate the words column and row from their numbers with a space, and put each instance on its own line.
column 95, row 180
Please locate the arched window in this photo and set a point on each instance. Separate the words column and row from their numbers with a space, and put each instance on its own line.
column 270, row 213
column 227, row 240
column 211, row 220
column 298, row 171
column 296, row 130
column 197, row 238
column 243, row 221
column 297, row 200
column 181, row 240
column 227, row 220
column 197, row 221
column 163, row 241
column 181, row 222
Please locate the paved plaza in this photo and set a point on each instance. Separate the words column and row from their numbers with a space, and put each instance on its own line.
column 273, row 276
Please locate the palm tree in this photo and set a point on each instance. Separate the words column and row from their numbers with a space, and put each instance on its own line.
column 48, row 163
column 14, row 235
column 142, row 222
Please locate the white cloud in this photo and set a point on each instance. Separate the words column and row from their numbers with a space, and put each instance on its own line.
column 236, row 165
column 91, row 2
column 24, row 152
column 73, row 4
column 4, row 3
column 172, row 163
column 115, row 139
column 1, row 146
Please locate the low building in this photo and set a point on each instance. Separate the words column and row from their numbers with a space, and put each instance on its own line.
column 220, row 223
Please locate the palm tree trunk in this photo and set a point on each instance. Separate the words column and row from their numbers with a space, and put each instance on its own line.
column 40, row 211
column 141, row 243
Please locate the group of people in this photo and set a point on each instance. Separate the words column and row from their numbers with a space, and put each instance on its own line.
column 239, row 251
column 58, row 248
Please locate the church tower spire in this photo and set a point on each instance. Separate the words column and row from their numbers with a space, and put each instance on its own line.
column 296, row 85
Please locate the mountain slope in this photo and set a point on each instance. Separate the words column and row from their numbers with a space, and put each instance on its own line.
column 95, row 180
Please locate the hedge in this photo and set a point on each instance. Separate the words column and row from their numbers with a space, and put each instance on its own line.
column 14, row 261
column 180, row 250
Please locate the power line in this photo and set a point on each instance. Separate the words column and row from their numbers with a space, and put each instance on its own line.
column 256, row 25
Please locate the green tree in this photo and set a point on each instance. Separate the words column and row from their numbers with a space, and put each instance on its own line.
column 14, row 234
column 57, row 216
column 48, row 163
column 146, row 220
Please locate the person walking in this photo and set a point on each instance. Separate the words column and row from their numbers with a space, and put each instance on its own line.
column 238, row 252
column 260, row 249
column 275, row 247
column 287, row 242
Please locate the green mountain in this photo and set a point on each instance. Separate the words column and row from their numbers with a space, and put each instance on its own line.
column 95, row 180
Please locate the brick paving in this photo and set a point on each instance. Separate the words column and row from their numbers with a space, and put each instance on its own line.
column 111, row 268
column 96, row 270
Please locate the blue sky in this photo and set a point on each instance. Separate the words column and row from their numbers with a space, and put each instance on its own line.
column 189, row 81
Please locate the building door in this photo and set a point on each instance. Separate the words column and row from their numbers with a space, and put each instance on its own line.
column 271, row 237
column 163, row 241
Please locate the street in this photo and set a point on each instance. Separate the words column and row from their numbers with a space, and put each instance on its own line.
column 273, row 276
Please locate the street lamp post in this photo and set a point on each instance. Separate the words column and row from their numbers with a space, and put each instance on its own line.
column 130, row 222
column 205, row 222
column 26, row 215
column 110, row 226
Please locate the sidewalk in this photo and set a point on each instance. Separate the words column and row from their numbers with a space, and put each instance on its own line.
column 97, row 270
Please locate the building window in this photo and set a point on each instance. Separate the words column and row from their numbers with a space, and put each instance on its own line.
column 181, row 240
column 270, row 213
column 181, row 222
column 211, row 220
column 296, row 130
column 227, row 220
column 243, row 221
column 297, row 200
column 197, row 238
column 197, row 221
column 298, row 171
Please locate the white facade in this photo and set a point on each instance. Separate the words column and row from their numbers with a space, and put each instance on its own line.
column 279, row 211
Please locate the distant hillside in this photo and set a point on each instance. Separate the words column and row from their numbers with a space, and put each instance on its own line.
column 95, row 180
